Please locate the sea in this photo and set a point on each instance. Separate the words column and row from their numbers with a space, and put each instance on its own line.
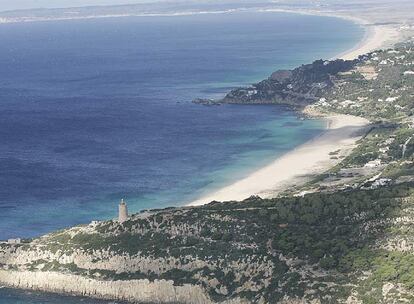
column 92, row 111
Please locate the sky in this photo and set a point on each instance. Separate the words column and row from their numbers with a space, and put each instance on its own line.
column 28, row 4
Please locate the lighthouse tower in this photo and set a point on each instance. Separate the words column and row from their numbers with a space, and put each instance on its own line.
column 123, row 212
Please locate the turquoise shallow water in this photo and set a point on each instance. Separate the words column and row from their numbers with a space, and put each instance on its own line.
column 92, row 111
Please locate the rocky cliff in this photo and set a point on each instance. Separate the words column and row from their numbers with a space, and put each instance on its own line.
column 158, row 291
column 285, row 250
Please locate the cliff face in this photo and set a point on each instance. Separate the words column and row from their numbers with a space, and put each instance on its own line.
column 156, row 247
column 158, row 291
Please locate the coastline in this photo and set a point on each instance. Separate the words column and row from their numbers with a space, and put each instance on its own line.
column 313, row 157
column 376, row 37
column 272, row 157
column 341, row 134
column 294, row 168
column 372, row 39
column 299, row 165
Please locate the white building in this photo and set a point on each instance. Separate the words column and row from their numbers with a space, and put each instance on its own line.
column 373, row 163
column 122, row 212
column 14, row 241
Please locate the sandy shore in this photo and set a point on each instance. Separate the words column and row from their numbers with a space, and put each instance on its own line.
column 299, row 165
column 376, row 37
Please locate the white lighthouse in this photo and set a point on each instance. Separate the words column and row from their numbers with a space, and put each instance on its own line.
column 123, row 212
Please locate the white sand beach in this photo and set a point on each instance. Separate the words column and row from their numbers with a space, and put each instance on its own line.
column 299, row 165
column 376, row 37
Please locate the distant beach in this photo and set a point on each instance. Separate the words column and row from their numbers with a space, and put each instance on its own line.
column 377, row 36
column 145, row 155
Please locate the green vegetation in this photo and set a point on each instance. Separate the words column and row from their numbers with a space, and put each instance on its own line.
column 331, row 235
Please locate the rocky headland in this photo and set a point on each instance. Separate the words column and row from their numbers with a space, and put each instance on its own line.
column 296, row 88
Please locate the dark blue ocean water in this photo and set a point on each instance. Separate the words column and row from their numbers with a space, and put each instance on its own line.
column 93, row 111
